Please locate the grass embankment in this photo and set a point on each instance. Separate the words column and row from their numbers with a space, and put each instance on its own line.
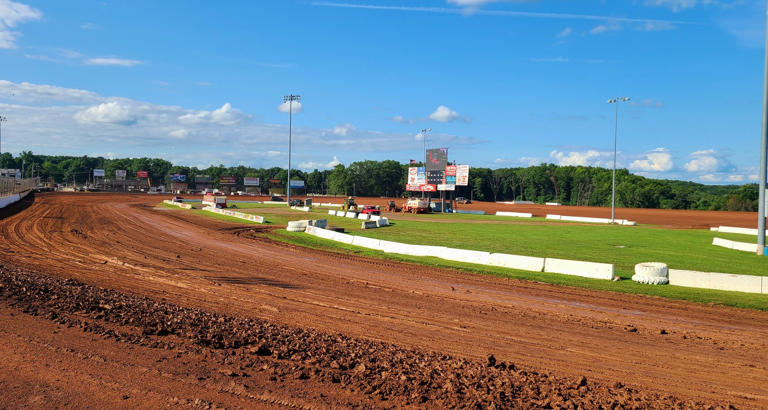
column 623, row 246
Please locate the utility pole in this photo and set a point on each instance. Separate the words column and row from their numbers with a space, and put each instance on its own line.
column 290, row 99
column 763, row 159
column 615, row 133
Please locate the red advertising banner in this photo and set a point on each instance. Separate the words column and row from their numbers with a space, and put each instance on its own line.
column 421, row 188
column 227, row 180
column 142, row 174
column 450, row 170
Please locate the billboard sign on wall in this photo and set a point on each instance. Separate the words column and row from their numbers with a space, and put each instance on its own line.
column 142, row 174
column 98, row 172
column 421, row 188
column 446, row 187
column 178, row 178
column 251, row 181
column 227, row 180
column 203, row 179
column 297, row 184
column 120, row 174
column 462, row 175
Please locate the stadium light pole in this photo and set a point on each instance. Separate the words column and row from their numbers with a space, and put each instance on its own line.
column 424, row 132
column 763, row 157
column 2, row 120
column 290, row 99
column 616, row 101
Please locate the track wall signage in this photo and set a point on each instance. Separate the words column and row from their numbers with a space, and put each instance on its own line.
column 297, row 184
column 431, row 180
column 250, row 181
column 142, row 174
column 120, row 174
column 227, row 180
column 178, row 178
column 98, row 172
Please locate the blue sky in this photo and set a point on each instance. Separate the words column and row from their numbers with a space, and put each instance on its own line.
column 500, row 83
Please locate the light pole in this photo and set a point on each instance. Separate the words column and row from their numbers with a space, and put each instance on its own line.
column 290, row 99
column 2, row 120
column 424, row 132
column 616, row 101
column 761, row 201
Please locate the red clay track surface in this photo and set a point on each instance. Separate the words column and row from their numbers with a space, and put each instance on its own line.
column 633, row 351
column 671, row 218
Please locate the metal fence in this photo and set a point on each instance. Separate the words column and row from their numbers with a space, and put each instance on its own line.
column 10, row 186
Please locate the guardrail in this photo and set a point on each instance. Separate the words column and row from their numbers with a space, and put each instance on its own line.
column 10, row 186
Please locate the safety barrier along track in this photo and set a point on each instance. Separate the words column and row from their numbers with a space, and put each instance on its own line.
column 247, row 217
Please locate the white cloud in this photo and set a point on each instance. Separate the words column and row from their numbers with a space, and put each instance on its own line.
column 286, row 107
column 444, row 114
column 655, row 26
column 586, row 158
column 709, row 178
column 702, row 163
column 550, row 60
column 602, row 28
column 312, row 165
column 11, row 14
column 61, row 121
column 225, row 115
column 735, row 178
column 107, row 113
column 678, row 5
column 162, row 83
column 565, row 33
column 89, row 26
column 112, row 61
column 180, row 133
column 403, row 120
column 658, row 160
column 651, row 103
column 203, row 84
column 344, row 129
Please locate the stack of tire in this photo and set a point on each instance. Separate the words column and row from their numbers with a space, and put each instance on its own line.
column 651, row 273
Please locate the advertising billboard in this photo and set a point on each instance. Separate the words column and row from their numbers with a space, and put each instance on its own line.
column 276, row 182
column 446, row 187
column 437, row 158
column 142, row 174
column 251, row 181
column 297, row 184
column 178, row 178
column 203, row 179
column 462, row 175
column 412, row 173
column 120, row 174
column 421, row 188
column 227, row 180
column 435, row 177
column 98, row 172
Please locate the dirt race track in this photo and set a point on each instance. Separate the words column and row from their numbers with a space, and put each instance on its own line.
column 109, row 300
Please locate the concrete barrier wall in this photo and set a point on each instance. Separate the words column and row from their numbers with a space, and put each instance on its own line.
column 739, row 246
column 579, row 268
column 463, row 255
column 517, row 262
column 553, row 217
column 733, row 229
column 515, row 214
column 179, row 204
column 351, row 214
column 364, row 242
column 7, row 200
column 331, row 212
column 765, row 285
column 719, row 281
column 590, row 220
column 240, row 215
column 364, row 217
column 552, row 203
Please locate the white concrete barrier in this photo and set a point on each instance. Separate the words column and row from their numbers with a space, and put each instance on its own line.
column 515, row 214
column 553, row 217
column 579, row 268
column 319, row 223
column 739, row 246
column 331, row 212
column 733, row 229
column 463, row 255
column 765, row 285
column 340, row 213
column 714, row 229
column 351, row 214
column 7, row 200
column 628, row 223
column 382, row 222
column 364, row 217
column 517, row 262
column 364, row 242
column 552, row 203
column 274, row 202
column 179, row 204
column 240, row 215
column 718, row 281
column 375, row 217
column 343, row 237
column 369, row 225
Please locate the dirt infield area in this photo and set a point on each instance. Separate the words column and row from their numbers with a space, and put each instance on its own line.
column 670, row 218
column 110, row 300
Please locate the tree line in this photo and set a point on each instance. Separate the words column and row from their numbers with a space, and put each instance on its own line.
column 568, row 185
